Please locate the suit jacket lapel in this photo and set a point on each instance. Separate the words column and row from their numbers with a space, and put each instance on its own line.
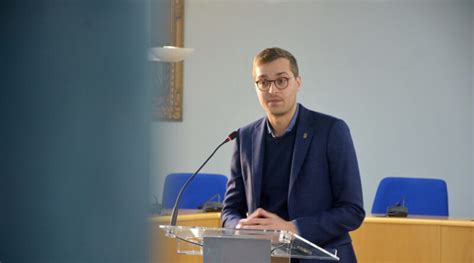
column 257, row 163
column 304, row 135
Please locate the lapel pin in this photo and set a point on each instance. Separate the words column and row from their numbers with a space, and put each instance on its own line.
column 305, row 135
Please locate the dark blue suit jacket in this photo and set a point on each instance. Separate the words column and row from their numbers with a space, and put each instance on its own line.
column 325, row 193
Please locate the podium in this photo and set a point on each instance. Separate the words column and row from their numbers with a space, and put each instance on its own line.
column 243, row 245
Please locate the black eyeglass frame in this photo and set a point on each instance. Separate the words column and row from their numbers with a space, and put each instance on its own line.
column 274, row 82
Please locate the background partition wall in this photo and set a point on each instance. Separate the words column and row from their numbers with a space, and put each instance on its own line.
column 398, row 72
column 75, row 136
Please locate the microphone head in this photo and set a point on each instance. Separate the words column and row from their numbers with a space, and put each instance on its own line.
column 232, row 136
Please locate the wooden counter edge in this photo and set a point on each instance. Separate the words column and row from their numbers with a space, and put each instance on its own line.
column 369, row 219
column 185, row 217
column 420, row 221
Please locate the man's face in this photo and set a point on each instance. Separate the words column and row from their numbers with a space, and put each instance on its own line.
column 277, row 102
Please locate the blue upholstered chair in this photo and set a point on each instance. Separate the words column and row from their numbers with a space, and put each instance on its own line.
column 203, row 188
column 421, row 196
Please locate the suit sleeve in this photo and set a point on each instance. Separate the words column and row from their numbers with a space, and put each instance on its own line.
column 235, row 204
column 347, row 212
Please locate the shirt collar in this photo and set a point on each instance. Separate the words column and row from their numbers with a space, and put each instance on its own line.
column 290, row 126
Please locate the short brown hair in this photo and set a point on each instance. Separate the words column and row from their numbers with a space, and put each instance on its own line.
column 270, row 54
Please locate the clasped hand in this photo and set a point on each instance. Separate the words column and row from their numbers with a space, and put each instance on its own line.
column 262, row 219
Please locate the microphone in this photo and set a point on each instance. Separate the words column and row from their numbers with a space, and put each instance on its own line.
column 174, row 214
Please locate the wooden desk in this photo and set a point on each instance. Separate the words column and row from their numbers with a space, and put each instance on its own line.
column 382, row 239
column 379, row 239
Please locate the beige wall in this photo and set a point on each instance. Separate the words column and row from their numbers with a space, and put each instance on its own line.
column 399, row 73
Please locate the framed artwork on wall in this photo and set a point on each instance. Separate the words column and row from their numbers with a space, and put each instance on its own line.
column 168, row 76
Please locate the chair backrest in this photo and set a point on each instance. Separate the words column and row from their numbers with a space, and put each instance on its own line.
column 422, row 196
column 203, row 188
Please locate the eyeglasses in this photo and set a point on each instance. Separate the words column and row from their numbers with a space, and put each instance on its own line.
column 281, row 83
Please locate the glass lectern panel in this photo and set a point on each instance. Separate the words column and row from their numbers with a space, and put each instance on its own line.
column 283, row 243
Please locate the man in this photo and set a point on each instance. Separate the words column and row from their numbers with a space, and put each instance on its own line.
column 295, row 169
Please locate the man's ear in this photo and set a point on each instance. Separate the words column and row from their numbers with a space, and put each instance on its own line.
column 298, row 82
